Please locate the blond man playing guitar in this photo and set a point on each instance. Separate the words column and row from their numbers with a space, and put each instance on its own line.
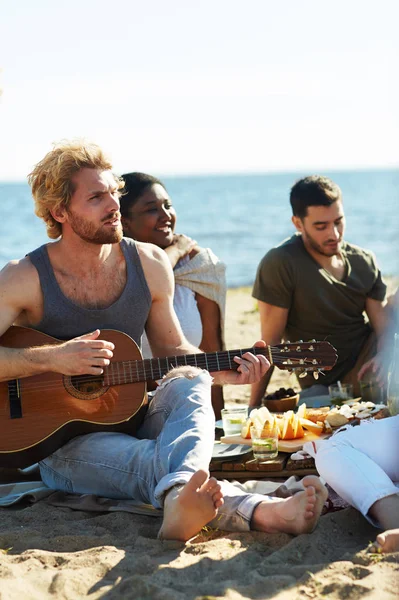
column 89, row 279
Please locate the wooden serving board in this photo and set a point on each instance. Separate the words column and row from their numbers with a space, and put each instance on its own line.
column 283, row 445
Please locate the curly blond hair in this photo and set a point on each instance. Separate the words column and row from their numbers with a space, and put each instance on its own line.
column 51, row 179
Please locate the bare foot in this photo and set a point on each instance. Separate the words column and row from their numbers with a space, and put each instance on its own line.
column 187, row 509
column 297, row 514
column 387, row 541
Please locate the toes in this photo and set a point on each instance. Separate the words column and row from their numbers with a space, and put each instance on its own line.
column 310, row 491
column 381, row 538
column 198, row 479
column 215, row 490
column 218, row 500
column 310, row 506
column 213, row 484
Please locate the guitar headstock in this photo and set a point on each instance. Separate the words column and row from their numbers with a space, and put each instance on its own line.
column 307, row 357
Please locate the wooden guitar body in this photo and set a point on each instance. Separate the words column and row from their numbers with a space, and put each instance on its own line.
column 55, row 408
column 38, row 414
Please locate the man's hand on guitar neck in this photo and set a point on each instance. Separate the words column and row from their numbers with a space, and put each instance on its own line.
column 250, row 370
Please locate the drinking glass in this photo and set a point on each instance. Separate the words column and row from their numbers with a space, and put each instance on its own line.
column 340, row 392
column 371, row 391
column 233, row 419
column 264, row 442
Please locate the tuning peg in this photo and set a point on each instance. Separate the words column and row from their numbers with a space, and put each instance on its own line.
column 303, row 374
column 316, row 375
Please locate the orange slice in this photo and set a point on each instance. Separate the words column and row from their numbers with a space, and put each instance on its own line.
column 298, row 431
column 288, row 426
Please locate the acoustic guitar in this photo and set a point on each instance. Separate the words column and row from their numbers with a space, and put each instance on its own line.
column 38, row 414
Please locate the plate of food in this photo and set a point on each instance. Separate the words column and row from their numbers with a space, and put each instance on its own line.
column 307, row 424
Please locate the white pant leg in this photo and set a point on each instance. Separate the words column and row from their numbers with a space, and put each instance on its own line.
column 362, row 463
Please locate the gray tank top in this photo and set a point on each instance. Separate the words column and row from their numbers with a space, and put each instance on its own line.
column 64, row 319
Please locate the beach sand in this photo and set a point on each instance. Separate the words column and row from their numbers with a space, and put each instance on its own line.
column 58, row 553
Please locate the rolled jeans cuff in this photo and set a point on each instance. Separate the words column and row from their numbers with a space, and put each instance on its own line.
column 167, row 483
column 236, row 512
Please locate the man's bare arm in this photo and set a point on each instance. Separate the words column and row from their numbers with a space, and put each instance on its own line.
column 377, row 314
column 163, row 328
column 378, row 317
column 19, row 296
column 273, row 320
column 211, row 341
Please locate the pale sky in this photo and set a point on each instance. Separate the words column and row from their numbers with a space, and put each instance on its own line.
column 181, row 86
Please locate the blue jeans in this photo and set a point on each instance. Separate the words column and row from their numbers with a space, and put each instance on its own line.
column 174, row 441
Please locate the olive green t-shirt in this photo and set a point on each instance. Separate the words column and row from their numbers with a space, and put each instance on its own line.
column 320, row 306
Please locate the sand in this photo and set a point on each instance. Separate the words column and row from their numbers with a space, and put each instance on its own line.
column 58, row 553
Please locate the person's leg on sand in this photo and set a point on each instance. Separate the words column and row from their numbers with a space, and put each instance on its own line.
column 296, row 514
column 361, row 465
column 176, row 442
column 386, row 513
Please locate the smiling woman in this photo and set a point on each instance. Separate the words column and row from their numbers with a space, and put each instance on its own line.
column 149, row 216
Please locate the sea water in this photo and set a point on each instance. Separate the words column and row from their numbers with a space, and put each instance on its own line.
column 239, row 217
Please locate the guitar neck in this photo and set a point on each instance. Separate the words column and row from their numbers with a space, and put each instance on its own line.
column 134, row 371
column 308, row 356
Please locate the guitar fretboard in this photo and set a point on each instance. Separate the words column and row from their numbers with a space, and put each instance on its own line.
column 309, row 356
column 134, row 371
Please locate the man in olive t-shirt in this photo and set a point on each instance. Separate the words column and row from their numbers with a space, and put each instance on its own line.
column 316, row 286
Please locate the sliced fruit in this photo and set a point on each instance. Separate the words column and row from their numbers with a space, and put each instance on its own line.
column 288, row 426
column 301, row 412
column 246, row 429
column 298, row 431
column 269, row 427
column 310, row 426
column 280, row 425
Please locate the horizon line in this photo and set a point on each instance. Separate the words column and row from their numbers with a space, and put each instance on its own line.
column 256, row 173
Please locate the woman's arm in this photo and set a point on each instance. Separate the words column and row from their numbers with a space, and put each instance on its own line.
column 211, row 342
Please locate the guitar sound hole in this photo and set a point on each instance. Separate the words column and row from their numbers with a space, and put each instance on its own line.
column 85, row 387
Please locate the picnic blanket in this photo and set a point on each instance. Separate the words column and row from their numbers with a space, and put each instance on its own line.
column 35, row 490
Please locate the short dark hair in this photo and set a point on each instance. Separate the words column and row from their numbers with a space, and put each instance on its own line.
column 135, row 186
column 314, row 190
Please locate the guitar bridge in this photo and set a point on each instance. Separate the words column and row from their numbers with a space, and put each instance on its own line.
column 14, row 398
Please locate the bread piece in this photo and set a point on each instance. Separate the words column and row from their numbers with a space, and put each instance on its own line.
column 336, row 419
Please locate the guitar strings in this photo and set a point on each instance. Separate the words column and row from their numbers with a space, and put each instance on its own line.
column 145, row 373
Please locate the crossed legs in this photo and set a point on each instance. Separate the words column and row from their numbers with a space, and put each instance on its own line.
column 167, row 465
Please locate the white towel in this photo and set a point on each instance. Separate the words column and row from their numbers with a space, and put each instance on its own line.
column 205, row 274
